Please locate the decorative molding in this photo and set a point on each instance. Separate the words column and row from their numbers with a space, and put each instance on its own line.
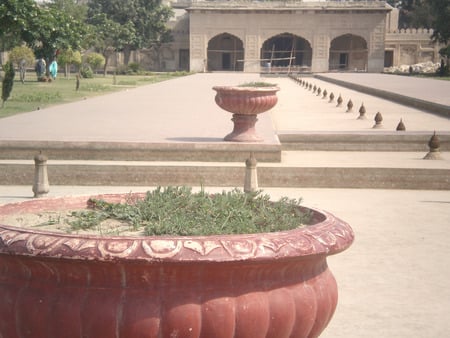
column 326, row 236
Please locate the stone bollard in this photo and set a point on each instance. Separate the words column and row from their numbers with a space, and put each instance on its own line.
column 40, row 185
column 401, row 126
column 434, row 144
column 331, row 97
column 349, row 106
column 378, row 120
column 362, row 112
column 339, row 101
column 251, row 175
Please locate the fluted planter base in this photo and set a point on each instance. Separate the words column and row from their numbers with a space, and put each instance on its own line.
column 244, row 129
column 55, row 285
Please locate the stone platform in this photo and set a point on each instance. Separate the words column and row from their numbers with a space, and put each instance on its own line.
column 172, row 133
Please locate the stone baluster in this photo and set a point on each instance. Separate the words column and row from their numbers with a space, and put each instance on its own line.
column 40, row 185
column 251, row 175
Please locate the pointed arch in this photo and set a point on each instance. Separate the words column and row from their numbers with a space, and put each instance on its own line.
column 287, row 50
column 348, row 52
column 224, row 52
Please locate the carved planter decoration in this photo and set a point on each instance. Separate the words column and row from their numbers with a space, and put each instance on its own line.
column 245, row 103
column 55, row 285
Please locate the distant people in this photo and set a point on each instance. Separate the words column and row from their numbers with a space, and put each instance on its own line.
column 40, row 68
column 22, row 70
column 53, row 69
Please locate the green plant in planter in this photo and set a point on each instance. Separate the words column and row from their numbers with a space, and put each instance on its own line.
column 257, row 84
column 179, row 211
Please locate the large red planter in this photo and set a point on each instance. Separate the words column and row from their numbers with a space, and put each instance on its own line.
column 55, row 285
column 245, row 103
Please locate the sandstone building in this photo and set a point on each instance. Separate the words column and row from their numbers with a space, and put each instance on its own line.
column 303, row 36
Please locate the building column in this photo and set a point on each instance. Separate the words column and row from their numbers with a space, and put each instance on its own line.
column 320, row 53
column 376, row 49
column 198, row 53
column 251, row 54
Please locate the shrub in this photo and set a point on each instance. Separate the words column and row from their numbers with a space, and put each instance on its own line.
column 134, row 67
column 95, row 60
column 22, row 53
column 86, row 71
column 69, row 57
column 8, row 81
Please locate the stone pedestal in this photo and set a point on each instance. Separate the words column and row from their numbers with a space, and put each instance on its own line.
column 251, row 175
column 40, row 185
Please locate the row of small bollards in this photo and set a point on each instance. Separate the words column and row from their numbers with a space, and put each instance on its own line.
column 339, row 101
column 433, row 144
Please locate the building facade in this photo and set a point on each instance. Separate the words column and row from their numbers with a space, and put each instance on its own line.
column 287, row 36
column 300, row 35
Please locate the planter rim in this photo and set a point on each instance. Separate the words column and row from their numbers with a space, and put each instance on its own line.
column 327, row 235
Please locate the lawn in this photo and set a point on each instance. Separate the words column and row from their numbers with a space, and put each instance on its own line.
column 33, row 95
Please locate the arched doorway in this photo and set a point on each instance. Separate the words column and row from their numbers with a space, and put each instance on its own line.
column 225, row 52
column 348, row 52
column 287, row 52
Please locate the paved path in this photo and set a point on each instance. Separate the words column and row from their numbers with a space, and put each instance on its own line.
column 183, row 110
column 393, row 281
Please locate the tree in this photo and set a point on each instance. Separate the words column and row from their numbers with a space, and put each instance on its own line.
column 8, row 81
column 95, row 60
column 45, row 27
column 23, row 56
column 441, row 33
column 144, row 21
column 414, row 13
column 68, row 57
column 14, row 21
column 110, row 36
column 53, row 29
column 73, row 8
column 440, row 10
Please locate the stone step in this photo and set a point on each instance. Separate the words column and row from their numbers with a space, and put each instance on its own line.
column 298, row 169
column 133, row 151
column 223, row 151
column 356, row 141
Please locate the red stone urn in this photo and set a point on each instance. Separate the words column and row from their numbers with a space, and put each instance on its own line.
column 55, row 285
column 245, row 103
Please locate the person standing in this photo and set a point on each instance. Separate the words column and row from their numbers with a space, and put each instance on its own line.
column 40, row 69
column 53, row 69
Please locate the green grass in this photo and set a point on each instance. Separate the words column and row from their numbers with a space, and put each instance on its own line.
column 179, row 211
column 33, row 95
